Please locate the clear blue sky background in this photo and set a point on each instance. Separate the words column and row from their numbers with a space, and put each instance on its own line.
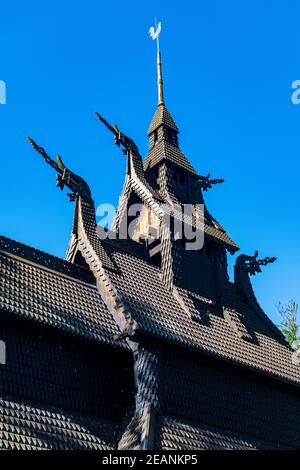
column 228, row 68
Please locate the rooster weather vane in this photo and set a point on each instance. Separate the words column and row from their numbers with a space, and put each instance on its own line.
column 155, row 32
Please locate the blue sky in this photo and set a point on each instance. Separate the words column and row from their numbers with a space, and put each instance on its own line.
column 228, row 68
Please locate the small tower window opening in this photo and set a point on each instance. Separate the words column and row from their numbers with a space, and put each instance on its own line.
column 155, row 136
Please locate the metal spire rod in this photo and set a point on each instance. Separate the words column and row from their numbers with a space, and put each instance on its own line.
column 157, row 36
column 154, row 33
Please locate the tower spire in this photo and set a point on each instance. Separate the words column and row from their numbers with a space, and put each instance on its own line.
column 160, row 80
column 154, row 33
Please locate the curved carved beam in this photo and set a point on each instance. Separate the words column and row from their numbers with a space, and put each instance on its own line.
column 85, row 240
column 65, row 177
column 120, row 139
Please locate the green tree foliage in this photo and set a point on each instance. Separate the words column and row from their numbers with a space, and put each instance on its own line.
column 289, row 326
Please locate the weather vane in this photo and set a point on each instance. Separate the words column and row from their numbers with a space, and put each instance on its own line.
column 154, row 33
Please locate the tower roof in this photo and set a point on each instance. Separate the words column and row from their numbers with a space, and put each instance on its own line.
column 164, row 147
column 165, row 151
column 162, row 117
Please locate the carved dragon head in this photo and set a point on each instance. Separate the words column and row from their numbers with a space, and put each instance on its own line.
column 64, row 176
column 251, row 264
column 120, row 139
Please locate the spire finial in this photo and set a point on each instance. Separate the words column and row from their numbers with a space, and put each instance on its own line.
column 154, row 33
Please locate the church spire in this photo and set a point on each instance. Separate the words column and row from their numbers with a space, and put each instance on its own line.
column 163, row 131
column 162, row 115
column 154, row 33
column 160, row 81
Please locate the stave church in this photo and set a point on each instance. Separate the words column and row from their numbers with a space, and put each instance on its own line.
column 141, row 343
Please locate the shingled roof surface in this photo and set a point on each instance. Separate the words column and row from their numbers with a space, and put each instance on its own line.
column 164, row 150
column 35, row 426
column 177, row 434
column 53, row 292
column 56, row 300
column 200, row 325
column 162, row 117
